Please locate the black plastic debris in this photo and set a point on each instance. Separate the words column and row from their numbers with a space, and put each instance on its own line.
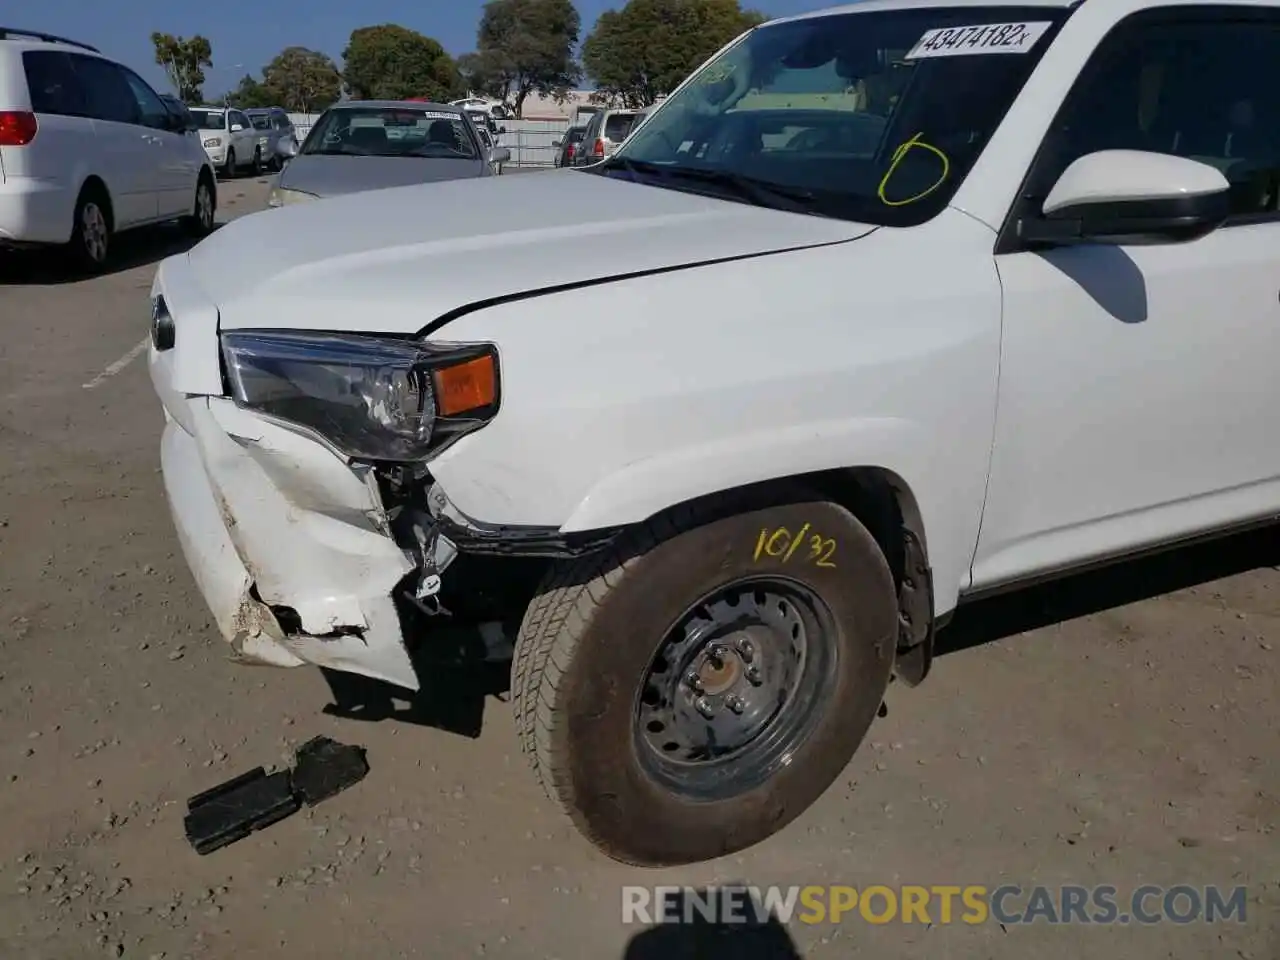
column 323, row 767
column 233, row 810
column 255, row 800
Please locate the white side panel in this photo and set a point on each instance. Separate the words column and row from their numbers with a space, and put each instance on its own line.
column 880, row 352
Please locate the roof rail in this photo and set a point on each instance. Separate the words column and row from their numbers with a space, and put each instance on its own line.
column 8, row 32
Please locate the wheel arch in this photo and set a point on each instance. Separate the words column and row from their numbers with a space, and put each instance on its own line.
column 885, row 503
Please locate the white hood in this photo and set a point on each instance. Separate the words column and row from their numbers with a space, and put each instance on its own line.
column 393, row 261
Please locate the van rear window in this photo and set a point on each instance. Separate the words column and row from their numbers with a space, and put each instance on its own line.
column 618, row 126
column 52, row 83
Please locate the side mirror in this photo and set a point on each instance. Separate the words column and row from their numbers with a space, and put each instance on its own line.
column 503, row 128
column 1122, row 196
column 287, row 148
column 500, row 155
column 557, row 144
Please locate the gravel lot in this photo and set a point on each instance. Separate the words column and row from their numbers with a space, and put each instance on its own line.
column 1116, row 729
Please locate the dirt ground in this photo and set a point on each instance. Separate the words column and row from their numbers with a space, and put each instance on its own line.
column 1119, row 728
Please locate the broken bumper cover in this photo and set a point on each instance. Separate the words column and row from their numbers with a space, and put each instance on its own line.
column 286, row 542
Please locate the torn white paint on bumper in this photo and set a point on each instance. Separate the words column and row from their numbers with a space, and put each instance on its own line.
column 266, row 518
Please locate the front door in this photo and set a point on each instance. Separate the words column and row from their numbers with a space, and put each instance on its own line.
column 1139, row 394
column 176, row 166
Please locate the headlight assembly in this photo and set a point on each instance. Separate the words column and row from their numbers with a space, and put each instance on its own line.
column 371, row 398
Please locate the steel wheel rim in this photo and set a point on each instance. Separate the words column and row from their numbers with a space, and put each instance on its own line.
column 737, row 685
column 93, row 232
column 204, row 205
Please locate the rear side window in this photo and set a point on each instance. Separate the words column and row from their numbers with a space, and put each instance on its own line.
column 618, row 126
column 107, row 92
column 52, row 83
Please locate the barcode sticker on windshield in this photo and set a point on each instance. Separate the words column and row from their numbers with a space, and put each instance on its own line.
column 987, row 38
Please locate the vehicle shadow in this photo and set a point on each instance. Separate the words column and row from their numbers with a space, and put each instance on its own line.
column 452, row 697
column 1083, row 594
column 459, row 672
column 695, row 937
column 134, row 248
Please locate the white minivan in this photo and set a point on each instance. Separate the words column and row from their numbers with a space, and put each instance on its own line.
column 88, row 149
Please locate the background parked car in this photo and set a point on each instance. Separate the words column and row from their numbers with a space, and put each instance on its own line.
column 88, row 149
column 229, row 139
column 370, row 145
column 605, row 131
column 569, row 146
column 490, row 135
column 491, row 107
column 275, row 130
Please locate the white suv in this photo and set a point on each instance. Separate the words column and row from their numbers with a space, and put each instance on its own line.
column 88, row 149
column 231, row 141
column 993, row 299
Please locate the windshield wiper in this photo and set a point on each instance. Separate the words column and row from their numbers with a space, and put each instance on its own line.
column 762, row 193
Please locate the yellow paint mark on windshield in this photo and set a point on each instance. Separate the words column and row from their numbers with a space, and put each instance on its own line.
column 898, row 156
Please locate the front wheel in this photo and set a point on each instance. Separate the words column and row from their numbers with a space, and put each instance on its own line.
column 695, row 690
column 200, row 222
column 229, row 171
column 257, row 161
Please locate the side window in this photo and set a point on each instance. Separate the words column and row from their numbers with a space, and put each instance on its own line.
column 1207, row 89
column 240, row 118
column 107, row 92
column 52, row 84
column 282, row 122
column 151, row 109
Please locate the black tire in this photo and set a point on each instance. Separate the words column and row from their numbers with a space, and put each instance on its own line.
column 229, row 171
column 588, row 641
column 200, row 223
column 90, row 247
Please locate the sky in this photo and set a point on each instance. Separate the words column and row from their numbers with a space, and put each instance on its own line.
column 246, row 34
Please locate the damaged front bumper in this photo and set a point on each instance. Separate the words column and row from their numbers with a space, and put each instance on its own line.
column 289, row 545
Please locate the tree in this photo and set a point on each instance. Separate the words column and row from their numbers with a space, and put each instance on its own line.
column 645, row 50
column 184, row 62
column 251, row 93
column 390, row 62
column 522, row 47
column 302, row 80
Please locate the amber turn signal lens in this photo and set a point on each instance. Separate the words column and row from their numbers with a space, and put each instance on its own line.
column 466, row 386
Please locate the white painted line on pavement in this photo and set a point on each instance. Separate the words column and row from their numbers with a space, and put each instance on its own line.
column 114, row 368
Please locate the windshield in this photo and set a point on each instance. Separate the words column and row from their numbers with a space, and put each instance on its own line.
column 483, row 121
column 872, row 116
column 399, row 132
column 260, row 121
column 210, row 119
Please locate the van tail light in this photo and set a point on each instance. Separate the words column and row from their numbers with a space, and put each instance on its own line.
column 598, row 149
column 570, row 151
column 17, row 128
